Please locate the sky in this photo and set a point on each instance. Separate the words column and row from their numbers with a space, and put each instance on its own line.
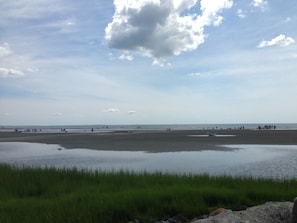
column 66, row 62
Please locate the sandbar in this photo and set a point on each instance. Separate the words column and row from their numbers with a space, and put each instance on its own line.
column 157, row 141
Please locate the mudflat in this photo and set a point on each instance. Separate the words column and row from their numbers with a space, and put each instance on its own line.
column 157, row 141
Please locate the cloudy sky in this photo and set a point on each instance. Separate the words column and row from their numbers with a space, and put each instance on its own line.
column 148, row 61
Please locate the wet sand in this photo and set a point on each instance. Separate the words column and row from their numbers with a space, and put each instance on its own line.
column 157, row 141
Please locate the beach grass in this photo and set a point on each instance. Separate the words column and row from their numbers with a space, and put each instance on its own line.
column 72, row 195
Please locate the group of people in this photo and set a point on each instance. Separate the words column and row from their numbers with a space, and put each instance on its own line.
column 267, row 127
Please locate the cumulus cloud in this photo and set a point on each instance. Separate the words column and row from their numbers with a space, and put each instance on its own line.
column 162, row 29
column 280, row 40
column 5, row 72
column 260, row 3
column 211, row 10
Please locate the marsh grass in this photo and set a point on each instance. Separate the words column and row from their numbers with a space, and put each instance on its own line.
column 71, row 195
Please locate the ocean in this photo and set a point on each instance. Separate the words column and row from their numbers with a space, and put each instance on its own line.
column 110, row 128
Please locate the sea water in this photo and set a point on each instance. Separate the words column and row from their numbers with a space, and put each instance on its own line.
column 265, row 161
column 110, row 128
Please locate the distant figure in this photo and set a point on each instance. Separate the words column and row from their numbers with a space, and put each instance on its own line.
column 92, row 130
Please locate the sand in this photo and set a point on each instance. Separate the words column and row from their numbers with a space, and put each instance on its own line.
column 157, row 141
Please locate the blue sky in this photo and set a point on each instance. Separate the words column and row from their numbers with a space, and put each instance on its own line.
column 147, row 62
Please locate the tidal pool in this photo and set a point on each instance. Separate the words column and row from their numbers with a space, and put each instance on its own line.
column 267, row 161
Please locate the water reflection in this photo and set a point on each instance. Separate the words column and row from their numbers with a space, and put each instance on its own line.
column 245, row 160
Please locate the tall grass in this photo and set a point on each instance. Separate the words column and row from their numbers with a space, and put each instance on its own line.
column 51, row 195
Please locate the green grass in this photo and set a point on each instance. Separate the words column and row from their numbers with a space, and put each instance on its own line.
column 68, row 196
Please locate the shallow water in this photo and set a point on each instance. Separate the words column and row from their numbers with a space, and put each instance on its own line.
column 269, row 161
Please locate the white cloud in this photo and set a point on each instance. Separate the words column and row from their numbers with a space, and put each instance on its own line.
column 126, row 56
column 5, row 72
column 13, row 64
column 160, row 29
column 211, row 10
column 197, row 74
column 32, row 70
column 280, row 40
column 260, row 3
column 5, row 49
column 241, row 14
column 112, row 110
column 16, row 73
column 131, row 112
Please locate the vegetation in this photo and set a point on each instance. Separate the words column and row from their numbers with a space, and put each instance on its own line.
column 66, row 196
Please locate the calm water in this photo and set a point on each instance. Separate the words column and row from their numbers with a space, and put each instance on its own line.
column 268, row 161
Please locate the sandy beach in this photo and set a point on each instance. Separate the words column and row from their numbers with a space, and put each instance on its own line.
column 157, row 141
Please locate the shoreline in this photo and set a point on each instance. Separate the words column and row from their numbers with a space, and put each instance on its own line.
column 157, row 141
